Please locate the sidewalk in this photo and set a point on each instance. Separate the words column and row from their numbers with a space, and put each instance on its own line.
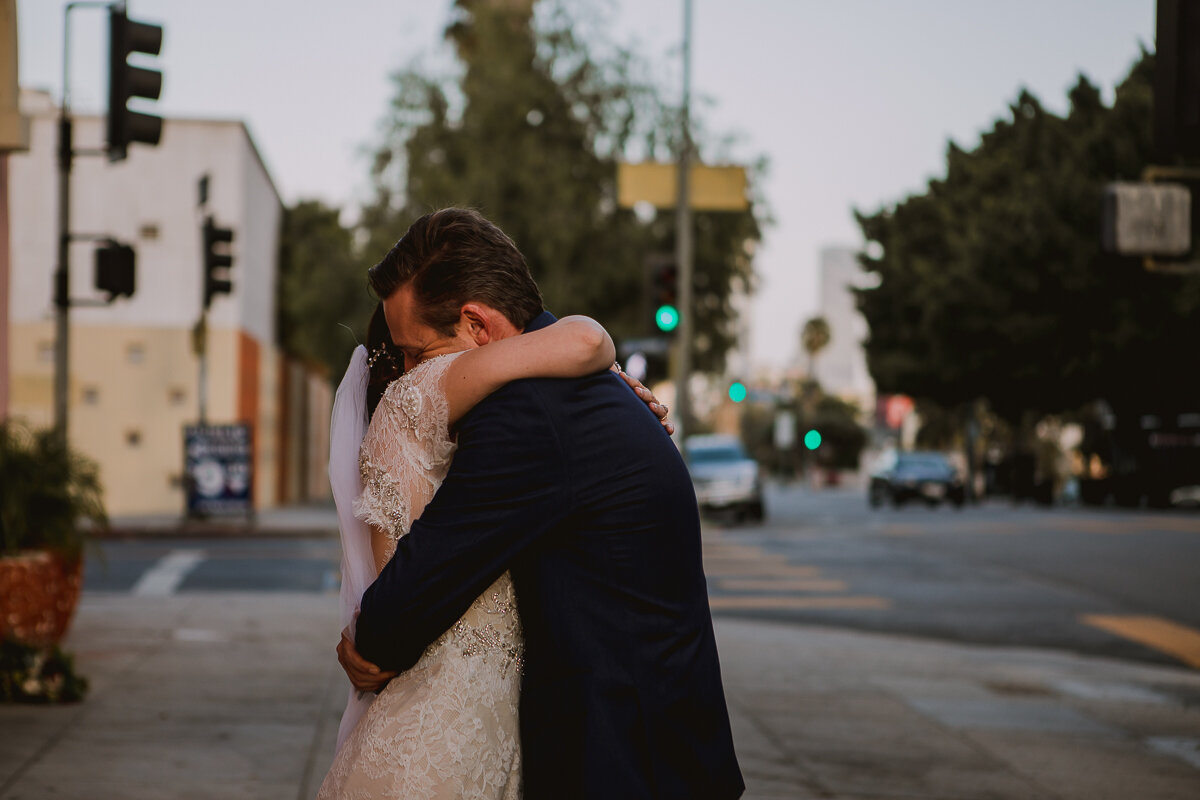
column 290, row 521
column 238, row 696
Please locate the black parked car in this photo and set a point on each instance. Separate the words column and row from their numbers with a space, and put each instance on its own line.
column 928, row 476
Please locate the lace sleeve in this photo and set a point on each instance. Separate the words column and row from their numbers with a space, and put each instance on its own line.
column 407, row 448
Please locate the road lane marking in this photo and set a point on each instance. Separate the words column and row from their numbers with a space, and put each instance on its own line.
column 904, row 530
column 763, row 602
column 733, row 550
column 761, row 580
column 1182, row 748
column 200, row 635
column 1128, row 525
column 1157, row 633
column 164, row 577
column 769, row 568
column 781, row 585
column 757, row 558
column 1106, row 526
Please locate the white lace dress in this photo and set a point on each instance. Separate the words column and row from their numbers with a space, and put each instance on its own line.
column 447, row 728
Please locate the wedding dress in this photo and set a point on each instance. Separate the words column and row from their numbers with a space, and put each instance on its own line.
column 447, row 728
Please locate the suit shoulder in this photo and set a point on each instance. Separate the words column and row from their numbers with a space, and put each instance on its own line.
column 519, row 402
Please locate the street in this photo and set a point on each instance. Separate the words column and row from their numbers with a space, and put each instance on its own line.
column 901, row 653
column 1061, row 578
column 1106, row 582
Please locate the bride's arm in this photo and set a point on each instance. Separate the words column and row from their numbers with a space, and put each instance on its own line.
column 380, row 547
column 572, row 347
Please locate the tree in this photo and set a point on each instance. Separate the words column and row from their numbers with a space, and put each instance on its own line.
column 530, row 132
column 815, row 338
column 323, row 304
column 993, row 284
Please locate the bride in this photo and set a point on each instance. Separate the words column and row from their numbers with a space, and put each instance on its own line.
column 448, row 727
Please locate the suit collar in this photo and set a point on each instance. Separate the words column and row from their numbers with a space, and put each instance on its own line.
column 542, row 320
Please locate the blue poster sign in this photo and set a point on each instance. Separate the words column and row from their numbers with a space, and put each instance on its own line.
column 218, row 467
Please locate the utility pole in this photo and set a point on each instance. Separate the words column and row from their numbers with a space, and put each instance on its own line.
column 683, row 240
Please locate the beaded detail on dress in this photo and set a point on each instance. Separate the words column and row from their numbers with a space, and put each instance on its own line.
column 448, row 727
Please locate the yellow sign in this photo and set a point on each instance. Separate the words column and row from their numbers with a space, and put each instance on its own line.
column 712, row 188
column 14, row 128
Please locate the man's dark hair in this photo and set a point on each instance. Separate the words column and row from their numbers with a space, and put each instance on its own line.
column 455, row 256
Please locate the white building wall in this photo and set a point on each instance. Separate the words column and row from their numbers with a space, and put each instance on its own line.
column 842, row 366
column 154, row 189
column 133, row 381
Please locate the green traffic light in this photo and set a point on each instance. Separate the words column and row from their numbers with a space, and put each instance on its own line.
column 737, row 391
column 667, row 318
column 812, row 440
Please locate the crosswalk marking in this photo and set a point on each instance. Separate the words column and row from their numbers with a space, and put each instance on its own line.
column 781, row 585
column 748, row 577
column 1068, row 523
column 1155, row 632
column 772, row 568
column 164, row 577
column 761, row 601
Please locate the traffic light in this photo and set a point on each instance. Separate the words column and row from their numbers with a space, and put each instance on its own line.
column 812, row 439
column 1177, row 81
column 737, row 391
column 664, row 296
column 115, row 270
column 126, row 81
column 217, row 260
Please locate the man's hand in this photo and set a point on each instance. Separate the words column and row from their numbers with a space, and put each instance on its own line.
column 647, row 397
column 365, row 676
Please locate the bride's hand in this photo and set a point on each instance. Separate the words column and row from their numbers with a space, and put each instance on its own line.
column 647, row 397
column 365, row 676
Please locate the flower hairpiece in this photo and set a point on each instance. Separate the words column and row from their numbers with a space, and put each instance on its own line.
column 381, row 351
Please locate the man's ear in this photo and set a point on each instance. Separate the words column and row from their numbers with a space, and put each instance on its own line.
column 478, row 322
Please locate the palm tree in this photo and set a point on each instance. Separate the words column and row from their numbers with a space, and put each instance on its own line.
column 815, row 338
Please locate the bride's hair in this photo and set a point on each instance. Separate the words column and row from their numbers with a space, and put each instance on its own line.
column 384, row 360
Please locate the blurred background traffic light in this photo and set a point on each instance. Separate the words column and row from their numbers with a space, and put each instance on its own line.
column 115, row 269
column 127, row 81
column 664, row 297
column 217, row 260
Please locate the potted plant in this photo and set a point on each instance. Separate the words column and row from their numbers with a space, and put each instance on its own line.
column 49, row 494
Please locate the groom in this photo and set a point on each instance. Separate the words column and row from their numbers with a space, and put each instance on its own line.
column 573, row 485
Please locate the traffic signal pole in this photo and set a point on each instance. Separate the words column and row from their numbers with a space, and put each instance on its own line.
column 146, row 83
column 62, row 270
column 683, row 241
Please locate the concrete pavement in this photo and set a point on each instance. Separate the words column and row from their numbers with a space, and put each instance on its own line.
column 237, row 695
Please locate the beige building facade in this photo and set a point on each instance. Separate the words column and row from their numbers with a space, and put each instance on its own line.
column 134, row 371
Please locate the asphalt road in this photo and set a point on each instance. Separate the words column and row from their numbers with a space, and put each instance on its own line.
column 1117, row 583
column 1106, row 581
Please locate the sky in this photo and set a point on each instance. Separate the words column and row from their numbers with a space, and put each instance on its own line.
column 851, row 102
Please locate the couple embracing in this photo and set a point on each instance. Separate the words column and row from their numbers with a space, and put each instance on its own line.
column 525, row 606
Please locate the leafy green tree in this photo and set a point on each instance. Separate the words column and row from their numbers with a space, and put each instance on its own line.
column 530, row 132
column 323, row 303
column 993, row 283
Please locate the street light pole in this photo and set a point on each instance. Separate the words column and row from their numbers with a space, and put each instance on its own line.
column 683, row 240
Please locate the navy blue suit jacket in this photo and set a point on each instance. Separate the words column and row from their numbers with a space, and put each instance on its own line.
column 573, row 485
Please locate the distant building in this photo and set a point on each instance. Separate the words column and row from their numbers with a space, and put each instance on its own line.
column 133, row 369
column 841, row 367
